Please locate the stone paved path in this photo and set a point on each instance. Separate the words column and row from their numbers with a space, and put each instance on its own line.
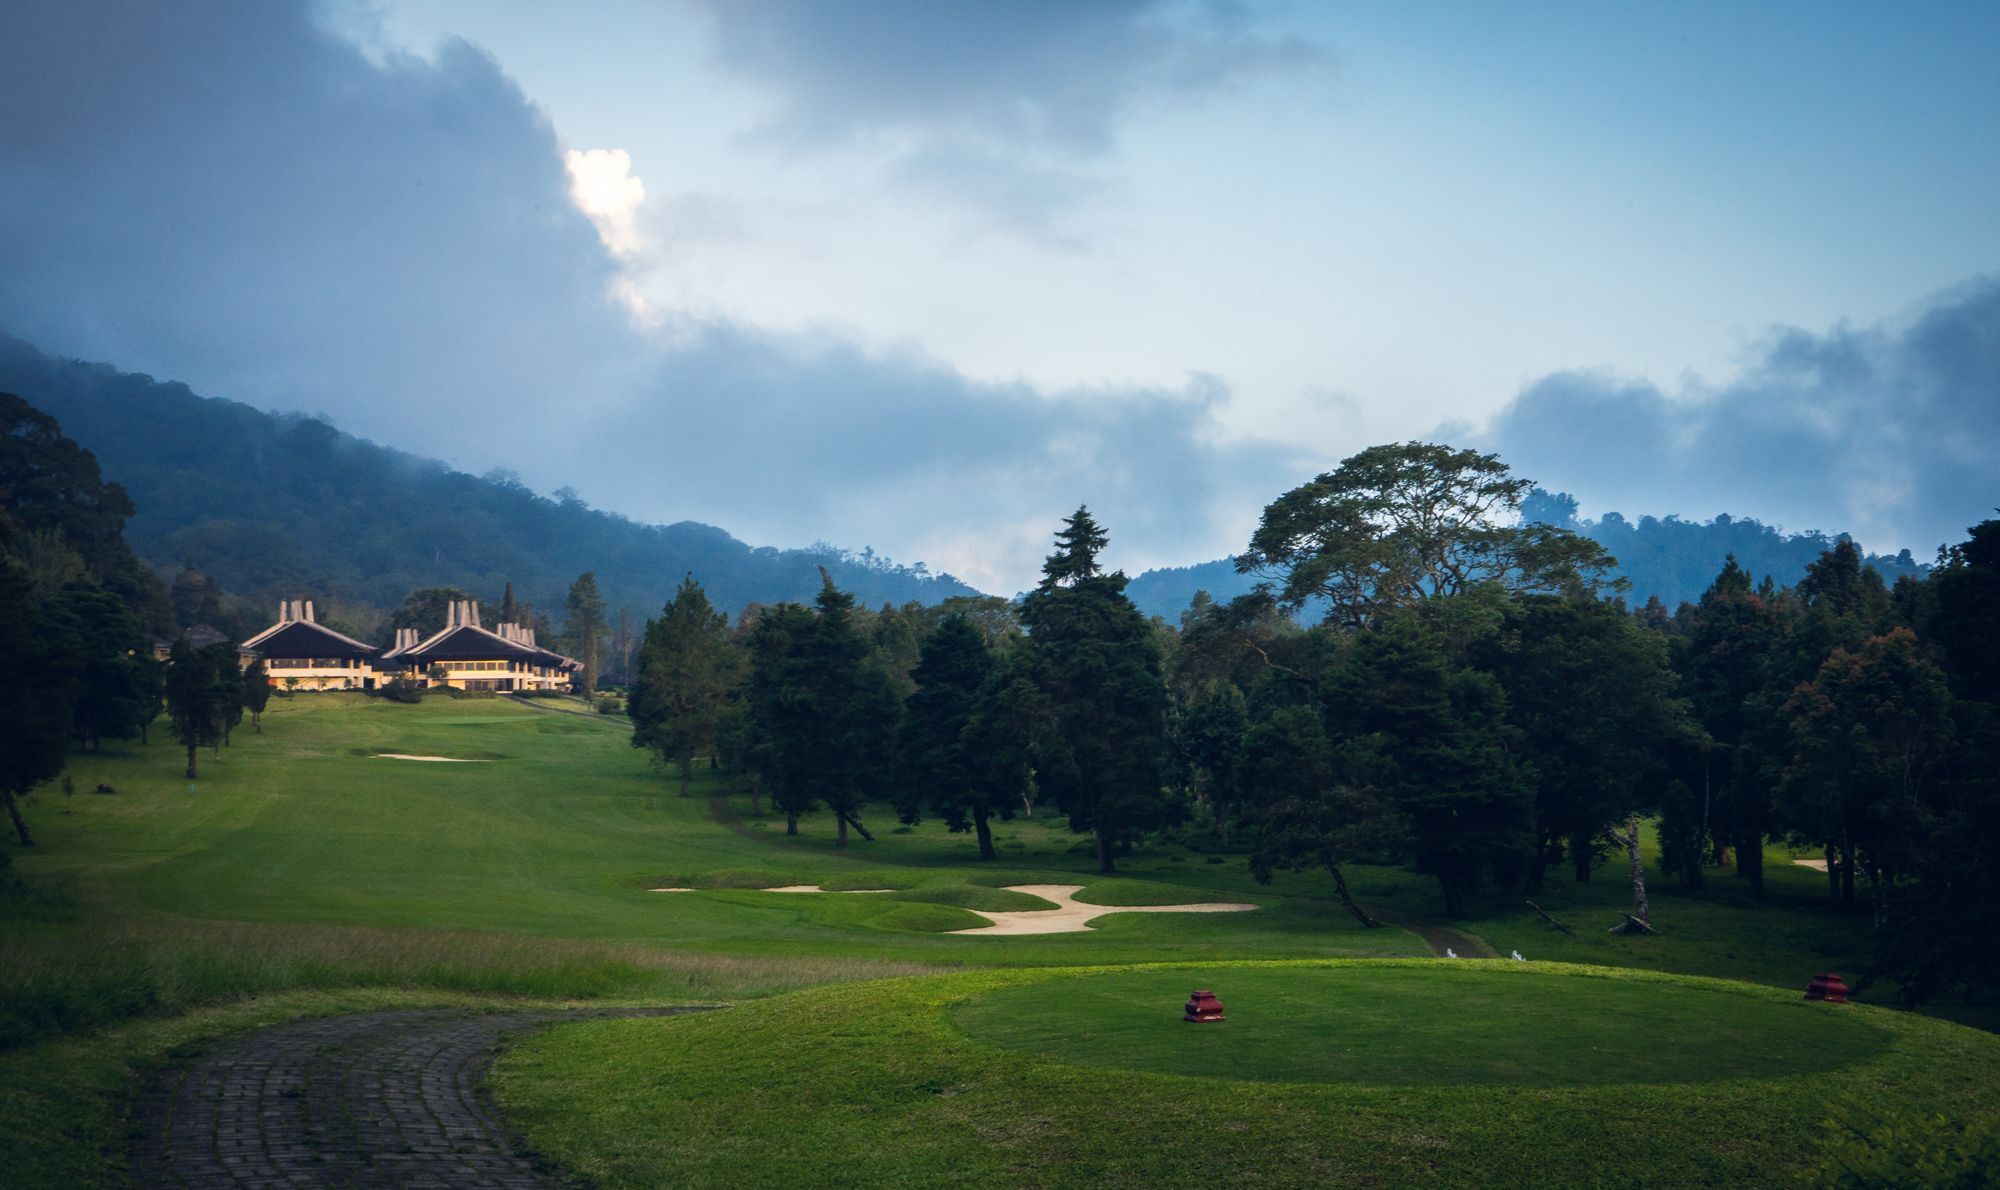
column 375, row 1099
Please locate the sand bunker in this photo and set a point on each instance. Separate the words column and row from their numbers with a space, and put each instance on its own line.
column 1071, row 916
column 1817, row 865
column 432, row 759
column 784, row 888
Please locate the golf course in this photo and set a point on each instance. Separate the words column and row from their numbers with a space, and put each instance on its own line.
column 884, row 1029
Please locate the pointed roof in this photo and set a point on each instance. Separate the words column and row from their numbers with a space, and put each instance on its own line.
column 463, row 639
column 298, row 634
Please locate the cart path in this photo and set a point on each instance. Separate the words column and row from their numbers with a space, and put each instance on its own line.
column 373, row 1099
column 1440, row 938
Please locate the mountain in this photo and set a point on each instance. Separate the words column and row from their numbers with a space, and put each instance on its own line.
column 273, row 505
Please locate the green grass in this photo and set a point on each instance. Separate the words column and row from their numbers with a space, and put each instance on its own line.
column 1459, row 1024
column 878, row 1084
column 305, row 868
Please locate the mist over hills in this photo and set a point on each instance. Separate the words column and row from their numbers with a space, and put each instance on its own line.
column 281, row 504
column 275, row 504
column 1664, row 556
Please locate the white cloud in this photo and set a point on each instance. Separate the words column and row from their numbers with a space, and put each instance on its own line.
column 603, row 186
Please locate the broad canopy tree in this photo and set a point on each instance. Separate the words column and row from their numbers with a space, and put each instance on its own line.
column 1398, row 524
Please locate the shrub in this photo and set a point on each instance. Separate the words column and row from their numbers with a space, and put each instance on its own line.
column 402, row 690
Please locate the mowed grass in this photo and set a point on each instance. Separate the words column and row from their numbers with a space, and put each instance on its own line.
column 305, row 871
column 966, row 1079
column 303, row 859
column 1455, row 1024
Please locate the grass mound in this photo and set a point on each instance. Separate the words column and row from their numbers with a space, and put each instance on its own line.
column 973, row 896
column 924, row 919
column 1140, row 892
column 877, row 1082
column 1460, row 1024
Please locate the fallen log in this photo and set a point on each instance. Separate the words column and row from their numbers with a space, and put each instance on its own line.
column 1543, row 914
column 1631, row 925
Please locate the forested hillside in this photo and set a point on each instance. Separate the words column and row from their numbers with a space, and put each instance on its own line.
column 1664, row 556
column 267, row 504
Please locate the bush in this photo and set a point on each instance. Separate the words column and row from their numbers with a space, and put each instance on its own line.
column 1877, row 1146
column 402, row 690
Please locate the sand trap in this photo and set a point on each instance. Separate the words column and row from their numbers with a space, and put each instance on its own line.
column 432, row 759
column 817, row 888
column 1817, row 865
column 786, row 888
column 1071, row 916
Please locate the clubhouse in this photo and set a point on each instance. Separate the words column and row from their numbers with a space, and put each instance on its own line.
column 301, row 653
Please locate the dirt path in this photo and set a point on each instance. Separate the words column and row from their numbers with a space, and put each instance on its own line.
column 375, row 1099
column 1439, row 937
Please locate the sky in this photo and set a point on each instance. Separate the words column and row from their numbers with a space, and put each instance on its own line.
column 926, row 276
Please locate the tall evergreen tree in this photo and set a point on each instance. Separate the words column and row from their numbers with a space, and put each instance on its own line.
column 585, row 625
column 256, row 693
column 688, row 667
column 1094, row 659
column 942, row 772
column 100, row 634
column 38, row 718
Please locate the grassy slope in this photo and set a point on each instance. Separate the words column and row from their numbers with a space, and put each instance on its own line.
column 878, row 1084
column 303, row 862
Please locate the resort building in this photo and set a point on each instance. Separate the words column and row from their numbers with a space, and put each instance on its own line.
column 301, row 654
column 466, row 656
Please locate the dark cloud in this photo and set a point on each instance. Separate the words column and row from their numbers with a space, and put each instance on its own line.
column 1054, row 72
column 222, row 193
column 991, row 105
column 1890, row 432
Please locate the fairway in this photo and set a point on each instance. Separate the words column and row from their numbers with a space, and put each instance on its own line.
column 307, row 862
column 1469, row 1024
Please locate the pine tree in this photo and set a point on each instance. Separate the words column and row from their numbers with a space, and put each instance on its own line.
column 586, row 624
column 1093, row 658
column 687, row 669
column 941, row 771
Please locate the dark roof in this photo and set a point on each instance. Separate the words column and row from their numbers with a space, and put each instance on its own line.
column 466, row 643
column 303, row 638
column 201, row 636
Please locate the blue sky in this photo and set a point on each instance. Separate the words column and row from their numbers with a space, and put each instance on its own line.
column 925, row 276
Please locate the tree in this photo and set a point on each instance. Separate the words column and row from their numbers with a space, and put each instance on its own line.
column 1868, row 732
column 1591, row 694
column 1092, row 656
column 190, row 703
column 424, row 609
column 822, row 714
column 1211, row 735
column 1399, row 524
column 1306, row 817
column 1431, row 734
column 39, row 719
column 944, row 771
column 687, row 668
column 1732, row 641
column 102, row 637
column 257, row 693
column 51, row 491
column 585, row 624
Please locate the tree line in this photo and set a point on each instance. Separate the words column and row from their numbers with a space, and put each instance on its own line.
column 1475, row 702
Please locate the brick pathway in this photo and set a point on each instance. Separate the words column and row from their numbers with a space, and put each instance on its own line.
column 377, row 1099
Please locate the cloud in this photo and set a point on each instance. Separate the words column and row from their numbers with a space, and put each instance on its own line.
column 602, row 185
column 1890, row 432
column 1054, row 72
column 224, row 194
column 990, row 104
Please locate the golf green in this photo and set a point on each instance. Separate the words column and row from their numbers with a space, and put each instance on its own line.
column 1440, row 1024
